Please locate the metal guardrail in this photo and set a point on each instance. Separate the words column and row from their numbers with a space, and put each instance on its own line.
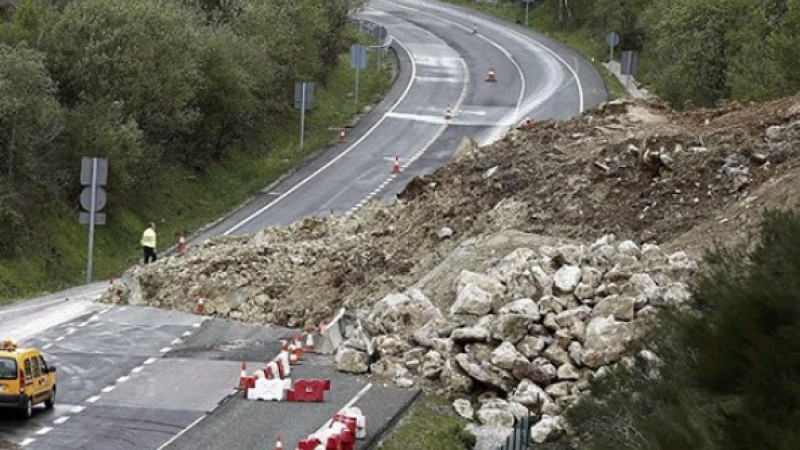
column 520, row 436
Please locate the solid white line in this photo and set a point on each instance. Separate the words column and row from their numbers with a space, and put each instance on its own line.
column 182, row 432
column 348, row 404
column 61, row 420
column 83, row 324
column 338, row 157
column 108, row 389
column 44, row 430
column 27, row 442
column 93, row 399
column 77, row 410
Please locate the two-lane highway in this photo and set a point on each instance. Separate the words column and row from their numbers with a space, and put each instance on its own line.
column 442, row 64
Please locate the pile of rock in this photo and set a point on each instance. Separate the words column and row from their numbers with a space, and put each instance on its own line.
column 531, row 332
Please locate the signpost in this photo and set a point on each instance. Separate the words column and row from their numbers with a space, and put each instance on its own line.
column 612, row 39
column 358, row 61
column 94, row 173
column 303, row 99
column 629, row 64
column 527, row 6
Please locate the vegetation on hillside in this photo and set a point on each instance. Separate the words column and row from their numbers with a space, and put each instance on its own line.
column 692, row 52
column 728, row 373
column 179, row 95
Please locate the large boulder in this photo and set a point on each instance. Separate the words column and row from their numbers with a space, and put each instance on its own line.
column 548, row 429
column 456, row 379
column 490, row 286
column 351, row 360
column 511, row 327
column 401, row 313
column 607, row 340
column 505, row 355
column 472, row 299
column 530, row 394
column 486, row 373
column 567, row 279
column 620, row 307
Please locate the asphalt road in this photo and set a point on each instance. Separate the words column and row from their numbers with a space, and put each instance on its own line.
column 142, row 378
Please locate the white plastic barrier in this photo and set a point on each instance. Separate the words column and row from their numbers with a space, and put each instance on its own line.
column 266, row 389
column 283, row 360
column 361, row 421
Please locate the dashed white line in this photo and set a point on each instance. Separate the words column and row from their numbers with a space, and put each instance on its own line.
column 197, row 325
column 46, row 346
column 137, row 369
column 61, row 420
column 187, row 333
column 72, row 330
column 27, row 442
column 59, row 339
column 176, row 341
column 108, row 389
column 83, row 324
column 123, row 379
column 77, row 410
column 165, row 350
column 44, row 430
column 149, row 361
column 93, row 399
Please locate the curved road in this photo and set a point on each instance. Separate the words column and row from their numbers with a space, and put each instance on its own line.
column 135, row 378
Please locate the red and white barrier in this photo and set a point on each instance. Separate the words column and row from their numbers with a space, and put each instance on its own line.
column 340, row 434
column 269, row 389
column 309, row 391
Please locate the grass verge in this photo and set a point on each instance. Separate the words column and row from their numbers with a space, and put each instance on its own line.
column 430, row 425
column 543, row 18
column 188, row 201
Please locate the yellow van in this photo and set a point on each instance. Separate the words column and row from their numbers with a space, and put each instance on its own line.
column 25, row 379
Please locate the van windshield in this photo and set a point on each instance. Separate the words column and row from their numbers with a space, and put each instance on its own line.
column 8, row 369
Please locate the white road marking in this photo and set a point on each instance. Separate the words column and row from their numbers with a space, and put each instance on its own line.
column 93, row 399
column 165, row 350
column 44, row 430
column 149, row 361
column 123, row 379
column 348, row 404
column 187, row 333
column 59, row 339
column 176, row 341
column 182, row 432
column 333, row 161
column 71, row 330
column 137, row 369
column 197, row 325
column 46, row 346
column 61, row 420
column 77, row 410
column 27, row 442
column 83, row 324
column 108, row 389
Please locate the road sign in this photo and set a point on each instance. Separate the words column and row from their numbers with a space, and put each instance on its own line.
column 86, row 171
column 358, row 56
column 630, row 62
column 99, row 199
column 84, row 218
column 612, row 39
column 309, row 95
column 379, row 32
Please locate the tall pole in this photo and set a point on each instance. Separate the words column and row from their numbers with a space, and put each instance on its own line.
column 302, row 114
column 358, row 65
column 89, row 259
column 527, row 2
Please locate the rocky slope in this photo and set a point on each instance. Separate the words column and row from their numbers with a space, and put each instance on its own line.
column 499, row 272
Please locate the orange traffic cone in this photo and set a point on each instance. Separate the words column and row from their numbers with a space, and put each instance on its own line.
column 396, row 168
column 201, row 306
column 181, row 243
column 278, row 443
column 341, row 137
column 310, row 339
column 491, row 78
column 243, row 376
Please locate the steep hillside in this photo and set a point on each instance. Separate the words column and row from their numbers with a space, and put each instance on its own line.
column 635, row 169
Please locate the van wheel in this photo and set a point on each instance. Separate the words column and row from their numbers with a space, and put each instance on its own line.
column 27, row 411
column 51, row 402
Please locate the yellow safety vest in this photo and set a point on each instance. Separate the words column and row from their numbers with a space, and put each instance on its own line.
column 149, row 238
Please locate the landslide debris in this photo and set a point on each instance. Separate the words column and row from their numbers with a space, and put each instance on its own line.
column 636, row 169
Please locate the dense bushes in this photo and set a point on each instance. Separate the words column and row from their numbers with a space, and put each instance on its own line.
column 729, row 371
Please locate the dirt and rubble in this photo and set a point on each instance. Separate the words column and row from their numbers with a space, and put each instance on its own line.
column 633, row 168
